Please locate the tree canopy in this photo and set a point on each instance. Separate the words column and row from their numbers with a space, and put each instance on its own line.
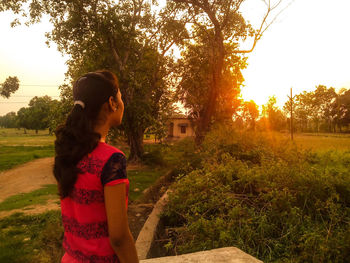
column 38, row 113
column 211, row 63
column 136, row 42
column 126, row 37
column 319, row 110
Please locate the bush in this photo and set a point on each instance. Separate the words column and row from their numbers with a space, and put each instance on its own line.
column 153, row 155
column 264, row 196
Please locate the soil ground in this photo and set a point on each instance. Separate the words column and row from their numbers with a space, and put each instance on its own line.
column 35, row 174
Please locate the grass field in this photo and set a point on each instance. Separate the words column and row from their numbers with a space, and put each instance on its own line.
column 324, row 142
column 17, row 148
column 318, row 142
column 15, row 137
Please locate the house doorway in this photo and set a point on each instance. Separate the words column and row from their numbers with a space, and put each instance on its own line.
column 171, row 130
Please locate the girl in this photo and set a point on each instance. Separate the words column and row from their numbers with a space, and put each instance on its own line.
column 91, row 175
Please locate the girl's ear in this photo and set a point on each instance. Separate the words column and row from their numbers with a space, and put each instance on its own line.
column 112, row 104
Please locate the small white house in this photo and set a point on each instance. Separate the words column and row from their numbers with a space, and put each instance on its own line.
column 180, row 126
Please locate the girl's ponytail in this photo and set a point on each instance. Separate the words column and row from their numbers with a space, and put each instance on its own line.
column 76, row 138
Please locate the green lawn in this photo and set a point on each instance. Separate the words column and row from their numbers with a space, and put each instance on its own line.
column 31, row 238
column 39, row 196
column 11, row 156
column 142, row 179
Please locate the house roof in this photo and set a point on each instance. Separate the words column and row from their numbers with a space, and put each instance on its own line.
column 179, row 116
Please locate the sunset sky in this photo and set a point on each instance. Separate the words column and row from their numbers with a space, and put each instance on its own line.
column 309, row 44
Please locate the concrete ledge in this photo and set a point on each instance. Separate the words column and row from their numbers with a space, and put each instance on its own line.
column 144, row 240
column 220, row 255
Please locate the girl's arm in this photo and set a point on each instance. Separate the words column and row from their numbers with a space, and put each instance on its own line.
column 120, row 237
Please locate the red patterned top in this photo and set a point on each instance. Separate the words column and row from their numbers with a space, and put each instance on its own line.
column 83, row 212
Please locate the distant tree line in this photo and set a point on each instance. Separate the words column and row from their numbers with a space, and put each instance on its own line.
column 39, row 115
column 321, row 110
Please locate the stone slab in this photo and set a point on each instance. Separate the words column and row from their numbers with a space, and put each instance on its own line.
column 220, row 255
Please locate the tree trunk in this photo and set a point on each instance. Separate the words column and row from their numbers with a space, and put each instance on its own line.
column 136, row 145
column 133, row 133
column 217, row 59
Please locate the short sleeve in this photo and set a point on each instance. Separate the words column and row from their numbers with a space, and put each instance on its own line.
column 114, row 171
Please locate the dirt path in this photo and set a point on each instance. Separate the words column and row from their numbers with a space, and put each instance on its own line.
column 31, row 176
column 26, row 178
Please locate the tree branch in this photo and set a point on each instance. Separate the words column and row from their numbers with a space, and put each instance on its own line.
column 262, row 29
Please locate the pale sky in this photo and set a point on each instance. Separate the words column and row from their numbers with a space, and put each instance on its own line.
column 309, row 44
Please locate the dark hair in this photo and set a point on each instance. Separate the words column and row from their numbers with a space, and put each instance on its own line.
column 76, row 137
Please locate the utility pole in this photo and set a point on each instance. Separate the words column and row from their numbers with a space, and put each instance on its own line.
column 291, row 98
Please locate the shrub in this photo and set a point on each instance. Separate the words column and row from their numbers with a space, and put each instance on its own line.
column 266, row 197
column 153, row 155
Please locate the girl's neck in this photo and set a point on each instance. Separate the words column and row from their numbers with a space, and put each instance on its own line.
column 103, row 131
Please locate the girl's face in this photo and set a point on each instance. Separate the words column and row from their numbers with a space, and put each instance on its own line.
column 117, row 115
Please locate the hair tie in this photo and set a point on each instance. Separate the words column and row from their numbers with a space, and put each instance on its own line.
column 79, row 102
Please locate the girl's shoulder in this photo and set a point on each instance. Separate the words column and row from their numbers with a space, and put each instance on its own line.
column 106, row 149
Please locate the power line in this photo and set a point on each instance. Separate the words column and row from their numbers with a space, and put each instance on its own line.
column 30, row 96
column 14, row 102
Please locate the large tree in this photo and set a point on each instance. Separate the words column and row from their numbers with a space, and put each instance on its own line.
column 211, row 56
column 37, row 115
column 323, row 99
column 127, row 37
